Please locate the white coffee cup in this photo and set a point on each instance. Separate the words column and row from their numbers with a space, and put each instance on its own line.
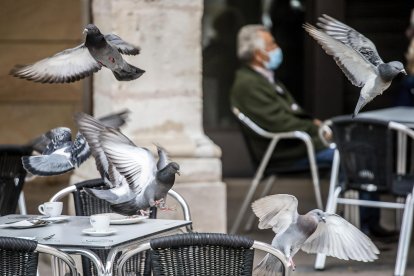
column 100, row 222
column 51, row 209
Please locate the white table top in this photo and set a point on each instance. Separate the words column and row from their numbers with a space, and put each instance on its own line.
column 69, row 233
column 399, row 114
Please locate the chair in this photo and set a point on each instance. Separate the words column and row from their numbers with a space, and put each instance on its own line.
column 12, row 178
column 367, row 155
column 201, row 254
column 86, row 205
column 249, row 125
column 19, row 257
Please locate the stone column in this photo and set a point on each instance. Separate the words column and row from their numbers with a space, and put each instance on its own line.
column 165, row 103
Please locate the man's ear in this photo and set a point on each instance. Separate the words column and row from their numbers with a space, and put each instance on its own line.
column 258, row 56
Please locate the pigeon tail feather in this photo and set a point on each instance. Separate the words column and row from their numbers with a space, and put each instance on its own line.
column 128, row 72
column 360, row 104
column 269, row 266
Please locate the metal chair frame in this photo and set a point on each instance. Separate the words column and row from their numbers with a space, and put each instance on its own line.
column 256, row 245
column 60, row 256
column 407, row 219
column 274, row 139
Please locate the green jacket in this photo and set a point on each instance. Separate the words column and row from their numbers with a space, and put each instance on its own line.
column 273, row 108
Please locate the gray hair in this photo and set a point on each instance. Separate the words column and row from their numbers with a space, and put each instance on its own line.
column 249, row 40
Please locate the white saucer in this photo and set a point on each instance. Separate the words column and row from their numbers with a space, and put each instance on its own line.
column 92, row 232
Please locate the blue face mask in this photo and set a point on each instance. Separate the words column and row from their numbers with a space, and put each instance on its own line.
column 275, row 59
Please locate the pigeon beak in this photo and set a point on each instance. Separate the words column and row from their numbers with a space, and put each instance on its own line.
column 85, row 31
column 403, row 71
column 323, row 219
column 178, row 172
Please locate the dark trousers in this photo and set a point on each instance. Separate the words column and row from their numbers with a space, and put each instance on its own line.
column 369, row 216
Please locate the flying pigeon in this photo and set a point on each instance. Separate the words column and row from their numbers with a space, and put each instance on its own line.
column 59, row 154
column 314, row 232
column 82, row 61
column 135, row 180
column 357, row 56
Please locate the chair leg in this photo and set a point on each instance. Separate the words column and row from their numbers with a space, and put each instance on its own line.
column 330, row 208
column 315, row 176
column 22, row 204
column 315, row 179
column 245, row 204
column 405, row 237
column 268, row 186
column 399, row 213
column 256, row 180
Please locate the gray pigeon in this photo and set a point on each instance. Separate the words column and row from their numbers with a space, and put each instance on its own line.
column 357, row 56
column 59, row 154
column 314, row 232
column 135, row 180
column 82, row 61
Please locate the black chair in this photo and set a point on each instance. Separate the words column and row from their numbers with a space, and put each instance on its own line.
column 86, row 205
column 366, row 151
column 19, row 257
column 264, row 170
column 12, row 177
column 202, row 254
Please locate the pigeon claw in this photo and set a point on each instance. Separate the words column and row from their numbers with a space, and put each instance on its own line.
column 144, row 212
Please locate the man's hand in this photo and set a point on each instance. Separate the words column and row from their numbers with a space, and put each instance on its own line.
column 317, row 122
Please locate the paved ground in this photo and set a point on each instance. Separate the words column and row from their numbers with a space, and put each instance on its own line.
column 302, row 190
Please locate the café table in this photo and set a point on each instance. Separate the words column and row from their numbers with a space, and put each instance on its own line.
column 68, row 236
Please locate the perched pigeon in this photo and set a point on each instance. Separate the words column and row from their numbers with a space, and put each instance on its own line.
column 59, row 153
column 82, row 61
column 135, row 180
column 314, row 232
column 357, row 56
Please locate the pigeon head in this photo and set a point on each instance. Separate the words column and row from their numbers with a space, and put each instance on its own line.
column 389, row 70
column 91, row 29
column 174, row 168
column 167, row 174
column 318, row 214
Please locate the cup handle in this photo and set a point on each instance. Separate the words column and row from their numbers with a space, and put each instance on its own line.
column 41, row 209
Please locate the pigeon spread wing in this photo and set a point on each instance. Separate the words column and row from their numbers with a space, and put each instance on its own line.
column 350, row 37
column 59, row 137
column 122, row 46
column 91, row 129
column 115, row 120
column 355, row 67
column 67, row 66
column 339, row 238
column 276, row 212
column 80, row 150
column 136, row 164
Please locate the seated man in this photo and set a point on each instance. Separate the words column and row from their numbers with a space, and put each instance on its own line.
column 265, row 100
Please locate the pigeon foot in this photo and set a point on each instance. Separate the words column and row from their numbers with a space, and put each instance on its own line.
column 144, row 212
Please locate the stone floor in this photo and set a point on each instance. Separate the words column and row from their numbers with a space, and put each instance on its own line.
column 301, row 188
